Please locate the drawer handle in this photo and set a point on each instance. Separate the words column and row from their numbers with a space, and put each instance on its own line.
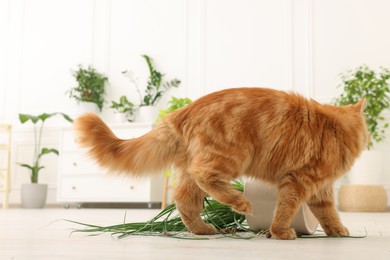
column 75, row 164
column 74, row 188
column 131, row 187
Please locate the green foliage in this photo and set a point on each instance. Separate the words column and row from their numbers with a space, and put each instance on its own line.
column 91, row 86
column 123, row 106
column 364, row 82
column 156, row 86
column 38, row 122
column 174, row 103
column 169, row 224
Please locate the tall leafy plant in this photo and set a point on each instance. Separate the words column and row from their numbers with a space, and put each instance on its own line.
column 39, row 151
column 91, row 86
column 364, row 82
column 156, row 86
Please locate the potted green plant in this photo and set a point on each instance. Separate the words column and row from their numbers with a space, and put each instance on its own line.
column 174, row 103
column 373, row 86
column 156, row 87
column 34, row 194
column 89, row 92
column 124, row 109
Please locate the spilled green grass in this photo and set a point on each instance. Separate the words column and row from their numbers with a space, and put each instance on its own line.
column 168, row 223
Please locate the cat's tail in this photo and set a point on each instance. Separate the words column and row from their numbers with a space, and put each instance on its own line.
column 149, row 154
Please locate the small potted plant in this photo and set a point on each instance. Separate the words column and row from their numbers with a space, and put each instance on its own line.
column 89, row 92
column 124, row 109
column 373, row 86
column 34, row 194
column 174, row 103
column 156, row 87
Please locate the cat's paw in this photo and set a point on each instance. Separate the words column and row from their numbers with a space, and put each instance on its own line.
column 336, row 231
column 282, row 234
column 206, row 229
column 244, row 207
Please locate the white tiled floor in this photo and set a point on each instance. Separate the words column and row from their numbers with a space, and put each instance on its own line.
column 41, row 234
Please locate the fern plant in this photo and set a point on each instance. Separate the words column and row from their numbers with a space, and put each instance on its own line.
column 156, row 86
column 91, row 86
column 364, row 82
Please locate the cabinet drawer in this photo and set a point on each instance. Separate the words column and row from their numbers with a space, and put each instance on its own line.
column 68, row 141
column 103, row 188
column 78, row 163
column 82, row 180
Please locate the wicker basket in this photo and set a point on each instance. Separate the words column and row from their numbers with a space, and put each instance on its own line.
column 362, row 198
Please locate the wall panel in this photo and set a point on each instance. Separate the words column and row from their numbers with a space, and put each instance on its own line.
column 347, row 34
column 152, row 27
column 55, row 41
column 247, row 43
column 4, row 19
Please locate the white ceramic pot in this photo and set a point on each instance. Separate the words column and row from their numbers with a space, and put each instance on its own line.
column 34, row 195
column 121, row 118
column 88, row 107
column 367, row 169
column 147, row 114
column 263, row 198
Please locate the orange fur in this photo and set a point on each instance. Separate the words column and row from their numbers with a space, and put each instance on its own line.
column 296, row 144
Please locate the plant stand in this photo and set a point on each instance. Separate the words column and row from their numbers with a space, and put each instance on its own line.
column 362, row 198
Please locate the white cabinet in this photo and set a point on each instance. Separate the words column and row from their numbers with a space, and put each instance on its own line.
column 82, row 180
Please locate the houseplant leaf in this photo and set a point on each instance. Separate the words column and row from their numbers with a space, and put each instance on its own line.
column 66, row 117
column 45, row 116
column 47, row 151
column 23, row 118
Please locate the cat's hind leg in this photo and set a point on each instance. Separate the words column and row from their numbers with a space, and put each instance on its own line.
column 293, row 190
column 322, row 206
column 189, row 198
column 214, row 174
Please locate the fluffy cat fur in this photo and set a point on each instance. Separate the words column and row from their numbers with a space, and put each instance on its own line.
column 295, row 144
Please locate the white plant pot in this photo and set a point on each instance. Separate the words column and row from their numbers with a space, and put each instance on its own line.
column 263, row 198
column 34, row 195
column 147, row 114
column 88, row 107
column 367, row 169
column 121, row 118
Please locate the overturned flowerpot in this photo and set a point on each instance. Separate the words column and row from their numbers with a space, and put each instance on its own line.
column 263, row 198
column 362, row 198
column 34, row 195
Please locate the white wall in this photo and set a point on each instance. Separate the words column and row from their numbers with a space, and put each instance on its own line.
column 209, row 45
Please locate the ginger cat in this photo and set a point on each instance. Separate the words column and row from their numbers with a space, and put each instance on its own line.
column 293, row 143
